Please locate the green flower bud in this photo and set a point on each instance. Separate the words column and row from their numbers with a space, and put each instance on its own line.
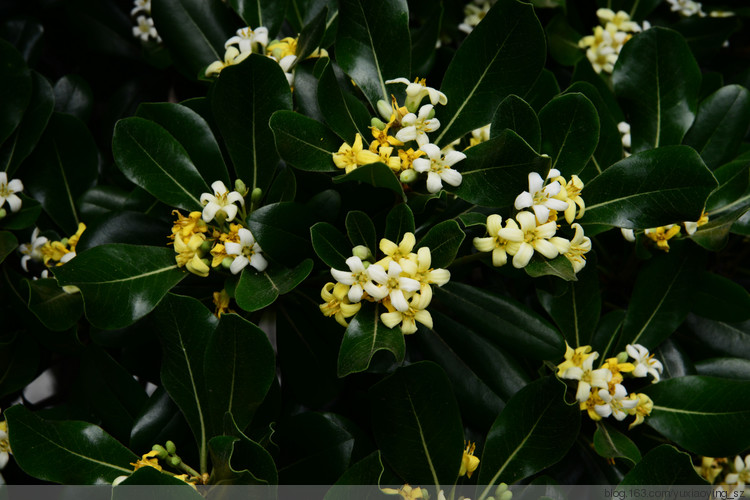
column 622, row 357
column 207, row 262
column 377, row 123
column 160, row 449
column 408, row 176
column 171, row 448
column 362, row 252
column 3, row 213
column 240, row 187
column 227, row 262
column 384, row 109
column 506, row 496
column 412, row 103
column 205, row 247
column 64, row 241
column 431, row 114
column 174, row 461
column 256, row 196
column 501, row 488
column 425, row 494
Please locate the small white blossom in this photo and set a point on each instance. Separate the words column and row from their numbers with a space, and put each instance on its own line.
column 247, row 39
column 8, row 192
column 418, row 90
column 395, row 283
column 644, row 363
column 536, row 238
column 221, row 201
column 145, row 29
column 141, row 6
column 540, row 198
column 474, row 12
column 438, row 167
column 587, row 377
column 357, row 278
column 416, row 127
column 615, row 404
column 247, row 251
column 687, row 8
column 33, row 249
column 741, row 474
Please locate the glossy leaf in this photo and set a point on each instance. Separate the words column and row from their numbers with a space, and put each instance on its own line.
column 366, row 335
column 658, row 80
column 243, row 100
column 159, row 420
column 559, row 266
column 424, row 40
column 15, row 80
column 303, row 142
column 90, row 455
column 718, row 298
column 502, row 320
column 570, row 132
column 331, row 246
column 55, row 308
column 193, row 133
column 66, row 163
column 544, row 89
column 283, row 188
column 225, row 458
column 676, row 361
column 26, row 217
column 734, row 368
column 733, row 181
column 584, row 72
column 515, row 114
column 709, row 422
column 73, row 96
column 611, row 443
column 714, row 235
column 649, row 189
column 361, row 230
column 374, row 174
column 399, row 221
column 495, row 171
column 343, row 112
column 167, row 486
column 8, row 243
column 257, row 290
column 268, row 13
column 367, row 471
column 443, row 239
column 20, row 360
column 120, row 283
column 281, row 229
column 731, row 339
column 312, row 34
column 501, row 56
column 152, row 158
column 535, row 430
column 663, row 465
column 417, row 424
column 563, row 41
column 372, row 44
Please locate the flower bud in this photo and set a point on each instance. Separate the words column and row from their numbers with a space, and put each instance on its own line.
column 3, row 213
column 506, row 496
column 431, row 114
column 174, row 461
column 501, row 488
column 240, row 187
column 205, row 247
column 256, row 196
column 171, row 448
column 408, row 176
column 227, row 262
column 64, row 241
column 377, row 123
column 622, row 357
column 425, row 494
column 160, row 449
column 384, row 109
column 362, row 252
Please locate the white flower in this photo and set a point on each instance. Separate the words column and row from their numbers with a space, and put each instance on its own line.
column 741, row 474
column 418, row 89
column 587, row 377
column 221, row 201
column 286, row 63
column 247, row 251
column 644, row 362
column 540, row 198
column 231, row 56
column 416, row 127
column 578, row 246
column 145, row 28
column 4, row 445
column 32, row 250
column 536, row 237
column 394, row 283
column 687, row 8
column 621, row 20
column 624, row 128
column 499, row 238
column 141, row 6
column 247, row 38
column 8, row 192
column 357, row 278
column 628, row 234
column 474, row 13
column 615, row 404
column 438, row 167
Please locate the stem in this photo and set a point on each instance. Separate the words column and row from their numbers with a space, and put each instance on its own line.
column 192, row 472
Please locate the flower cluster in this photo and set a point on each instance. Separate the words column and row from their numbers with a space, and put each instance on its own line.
column 535, row 231
column 732, row 475
column 662, row 234
column 50, row 253
column 408, row 152
column 8, row 192
column 604, row 46
column 600, row 391
column 248, row 41
column 401, row 281
column 474, row 12
column 201, row 234
column 168, row 455
column 144, row 28
column 5, row 451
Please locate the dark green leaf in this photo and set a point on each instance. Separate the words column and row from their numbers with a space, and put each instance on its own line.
column 424, row 41
column 55, row 308
column 41, row 447
column 279, row 227
column 584, row 72
column 563, row 41
column 283, row 187
column 535, row 430
column 610, row 443
column 120, row 283
column 367, row 471
column 193, row 133
column 152, row 158
column 606, row 333
column 243, row 100
column 366, row 335
column 306, row 87
column 26, row 217
column 731, row 339
column 361, row 230
column 312, row 34
column 374, row 174
column 19, row 360
column 8, row 243
column 417, row 424
column 372, row 44
column 73, row 96
column 706, row 35
column 676, row 361
column 545, row 88
column 658, row 80
column 663, row 465
column 733, row 181
column 343, row 112
column 570, row 132
column 496, row 171
column 650, row 189
column 303, row 142
column 15, row 80
column 159, row 420
column 235, row 459
column 443, row 239
column 257, row 290
column 66, row 165
column 331, row 246
column 704, row 415
column 718, row 298
column 473, row 219
column 515, row 114
column 398, row 222
column 502, row 320
column 503, row 55
column 714, row 235
column 268, row 13
column 734, row 368
column 559, row 266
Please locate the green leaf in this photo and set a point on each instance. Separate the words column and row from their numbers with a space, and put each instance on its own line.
column 443, row 239
column 243, row 100
column 331, row 246
column 663, row 465
column 495, row 171
column 257, row 290
column 398, row 222
column 563, row 41
column 159, row 420
column 372, row 44
column 8, row 243
column 283, row 187
column 15, row 80
column 66, row 163
column 73, row 96
column 559, row 266
column 24, row 218
column 535, row 430
column 28, row 132
column 502, row 320
column 158, row 485
column 239, row 366
column 545, row 88
column 718, row 298
column 20, row 361
column 369, row 470
column 279, row 227
column 424, row 40
column 706, row 35
column 720, row 125
column 194, row 31
column 303, row 142
column 343, row 112
column 610, row 443
column 312, row 34
column 657, row 79
column 731, row 339
column 570, row 132
column 376, row 175
column 55, row 308
column 515, row 114
column 733, row 181
column 366, row 335
column 234, row 461
column 650, row 189
column 152, row 158
column 417, row 425
column 90, row 455
column 704, row 415
column 361, row 230
column 473, row 219
column 584, row 72
column 501, row 56
column 268, row 13
column 193, row 133
column 714, row 235
column 120, row 283
column 734, row 368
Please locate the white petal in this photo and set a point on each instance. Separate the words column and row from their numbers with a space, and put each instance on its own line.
column 434, row 183
column 232, row 248
column 219, row 187
column 355, row 264
column 391, row 319
column 421, row 165
column 399, row 80
column 583, row 392
column 258, row 262
column 407, row 134
column 209, row 211
column 541, row 212
column 246, row 237
column 234, row 197
column 408, row 284
column 453, row 157
column 451, row 176
column 342, row 276
column 355, row 293
column 523, row 256
column 377, row 274
column 399, row 301
column 238, row 264
column 433, row 152
column 231, row 211
column 523, row 200
column 535, row 182
column 15, row 186
column 14, row 202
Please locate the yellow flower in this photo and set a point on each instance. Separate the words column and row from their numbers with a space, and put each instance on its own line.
column 641, row 410
column 186, row 226
column 279, row 49
column 61, row 251
column 394, row 252
column 147, row 460
column 617, row 369
column 188, row 254
column 350, row 157
column 221, row 301
column 579, row 246
column 710, row 468
column 498, row 239
column 381, row 138
column 692, row 227
column 573, row 358
column 662, row 234
column 407, row 157
column 337, row 303
column 231, row 56
column 408, row 318
column 405, row 491
column 469, row 462
column 218, row 253
column 590, row 404
column 385, row 154
column 73, row 240
column 571, row 193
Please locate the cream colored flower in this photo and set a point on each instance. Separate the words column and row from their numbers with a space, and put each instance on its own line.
column 499, row 238
column 536, row 238
column 221, row 201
